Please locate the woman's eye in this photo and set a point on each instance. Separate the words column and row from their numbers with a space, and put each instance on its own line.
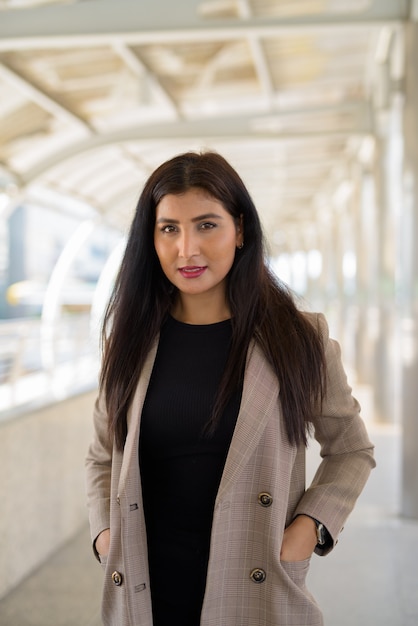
column 207, row 225
column 169, row 228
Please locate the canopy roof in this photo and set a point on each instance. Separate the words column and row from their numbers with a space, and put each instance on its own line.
column 95, row 94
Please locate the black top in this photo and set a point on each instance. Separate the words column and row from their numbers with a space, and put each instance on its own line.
column 181, row 467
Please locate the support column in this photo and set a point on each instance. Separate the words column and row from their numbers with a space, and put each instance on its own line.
column 347, row 275
column 408, row 291
column 366, row 254
column 330, row 279
column 388, row 176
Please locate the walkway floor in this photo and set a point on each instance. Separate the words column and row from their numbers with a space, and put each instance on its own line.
column 370, row 579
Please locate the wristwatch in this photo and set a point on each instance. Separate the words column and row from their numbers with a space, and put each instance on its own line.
column 321, row 532
column 322, row 535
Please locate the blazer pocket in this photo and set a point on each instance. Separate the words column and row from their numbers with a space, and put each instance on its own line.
column 297, row 570
column 103, row 560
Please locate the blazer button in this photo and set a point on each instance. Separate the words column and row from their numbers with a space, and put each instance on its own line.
column 265, row 499
column 258, row 575
column 117, row 578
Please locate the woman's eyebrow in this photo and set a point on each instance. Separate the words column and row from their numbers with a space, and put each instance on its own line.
column 206, row 216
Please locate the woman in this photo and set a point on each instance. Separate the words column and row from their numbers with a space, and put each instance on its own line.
column 210, row 384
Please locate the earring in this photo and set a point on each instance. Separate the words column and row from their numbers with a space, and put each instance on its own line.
column 241, row 245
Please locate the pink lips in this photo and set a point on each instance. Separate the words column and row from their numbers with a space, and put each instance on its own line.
column 192, row 271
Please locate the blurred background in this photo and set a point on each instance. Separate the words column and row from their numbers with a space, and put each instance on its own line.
column 314, row 102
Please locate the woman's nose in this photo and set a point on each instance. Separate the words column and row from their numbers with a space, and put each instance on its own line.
column 188, row 245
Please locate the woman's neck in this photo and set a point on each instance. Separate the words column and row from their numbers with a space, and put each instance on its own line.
column 200, row 311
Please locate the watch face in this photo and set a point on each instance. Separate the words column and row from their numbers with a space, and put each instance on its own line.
column 320, row 533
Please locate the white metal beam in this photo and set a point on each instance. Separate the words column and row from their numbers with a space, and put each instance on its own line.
column 257, row 52
column 138, row 22
column 39, row 97
column 138, row 67
column 248, row 127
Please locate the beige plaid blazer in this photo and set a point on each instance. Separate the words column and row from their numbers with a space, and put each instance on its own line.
column 246, row 534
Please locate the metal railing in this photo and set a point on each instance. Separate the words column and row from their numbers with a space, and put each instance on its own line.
column 42, row 361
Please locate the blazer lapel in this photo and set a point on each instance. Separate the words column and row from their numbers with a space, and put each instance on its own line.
column 134, row 416
column 259, row 401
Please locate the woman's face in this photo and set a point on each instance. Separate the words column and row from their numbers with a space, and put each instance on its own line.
column 195, row 239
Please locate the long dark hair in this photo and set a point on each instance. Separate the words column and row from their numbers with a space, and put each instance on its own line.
column 262, row 308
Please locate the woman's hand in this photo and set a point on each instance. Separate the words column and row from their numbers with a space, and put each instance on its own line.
column 102, row 542
column 299, row 539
